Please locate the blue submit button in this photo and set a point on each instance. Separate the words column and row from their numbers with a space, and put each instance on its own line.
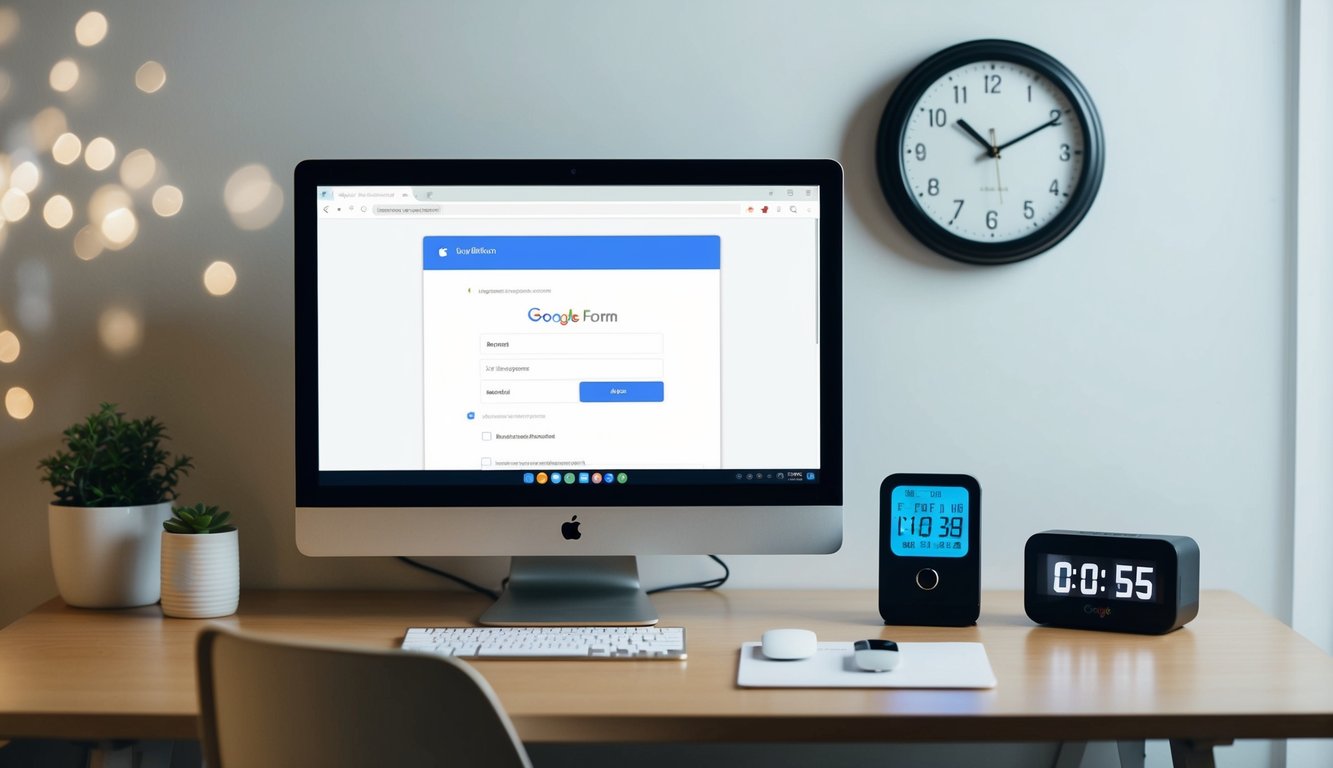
column 621, row 391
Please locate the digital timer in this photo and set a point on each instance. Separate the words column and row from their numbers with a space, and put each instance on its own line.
column 930, row 559
column 1122, row 582
column 1104, row 577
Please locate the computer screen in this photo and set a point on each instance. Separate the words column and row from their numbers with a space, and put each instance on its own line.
column 640, row 338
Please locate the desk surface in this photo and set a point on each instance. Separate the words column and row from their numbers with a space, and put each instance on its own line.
column 1232, row 673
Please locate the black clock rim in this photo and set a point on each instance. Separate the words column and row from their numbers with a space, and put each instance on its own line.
column 891, row 170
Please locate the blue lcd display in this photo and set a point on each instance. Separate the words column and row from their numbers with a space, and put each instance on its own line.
column 929, row 521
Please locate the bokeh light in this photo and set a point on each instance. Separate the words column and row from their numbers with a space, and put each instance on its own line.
column 66, row 149
column 138, row 169
column 167, row 201
column 120, row 330
column 9, row 25
column 47, row 126
column 252, row 198
column 6, row 82
column 91, row 29
column 18, row 403
column 100, row 154
column 219, row 278
column 151, row 77
column 58, row 211
column 14, row 204
column 87, row 244
column 9, row 347
column 65, row 75
column 106, row 199
column 119, row 228
column 25, row 177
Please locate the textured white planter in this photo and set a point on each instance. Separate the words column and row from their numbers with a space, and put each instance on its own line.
column 107, row 557
column 201, row 574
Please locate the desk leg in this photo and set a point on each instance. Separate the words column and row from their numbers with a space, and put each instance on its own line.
column 1132, row 754
column 1187, row 753
column 105, row 756
column 1069, row 754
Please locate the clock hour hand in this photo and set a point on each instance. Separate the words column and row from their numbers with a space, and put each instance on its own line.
column 1053, row 121
column 991, row 150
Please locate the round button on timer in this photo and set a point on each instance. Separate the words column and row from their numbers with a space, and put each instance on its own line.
column 927, row 578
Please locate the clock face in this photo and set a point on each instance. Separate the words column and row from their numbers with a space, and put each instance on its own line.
column 1106, row 578
column 992, row 151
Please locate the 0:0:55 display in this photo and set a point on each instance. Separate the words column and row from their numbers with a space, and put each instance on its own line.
column 1140, row 587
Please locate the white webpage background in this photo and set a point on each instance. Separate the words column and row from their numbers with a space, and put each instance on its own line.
column 666, row 329
column 370, row 333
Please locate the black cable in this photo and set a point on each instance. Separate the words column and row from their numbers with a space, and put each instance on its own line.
column 709, row 584
column 492, row 594
column 713, row 583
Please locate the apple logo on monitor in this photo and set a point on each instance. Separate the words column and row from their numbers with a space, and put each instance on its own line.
column 570, row 530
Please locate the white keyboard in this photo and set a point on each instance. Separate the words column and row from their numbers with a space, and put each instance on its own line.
column 663, row 643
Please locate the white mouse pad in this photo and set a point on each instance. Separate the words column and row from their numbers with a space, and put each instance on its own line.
column 921, row 665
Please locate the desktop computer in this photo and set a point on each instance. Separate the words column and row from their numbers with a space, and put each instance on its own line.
column 571, row 363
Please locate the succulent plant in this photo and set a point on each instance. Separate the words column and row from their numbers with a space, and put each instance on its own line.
column 111, row 461
column 197, row 519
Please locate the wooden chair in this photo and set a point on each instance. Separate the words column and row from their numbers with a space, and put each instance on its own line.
column 280, row 704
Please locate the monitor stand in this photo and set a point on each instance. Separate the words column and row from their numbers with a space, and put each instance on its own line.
column 572, row 591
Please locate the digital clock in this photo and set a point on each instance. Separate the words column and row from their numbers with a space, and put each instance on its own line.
column 930, row 550
column 1121, row 582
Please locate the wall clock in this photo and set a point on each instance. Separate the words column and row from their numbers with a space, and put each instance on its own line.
column 990, row 152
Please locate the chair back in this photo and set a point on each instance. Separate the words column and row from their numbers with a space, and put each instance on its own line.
column 268, row 703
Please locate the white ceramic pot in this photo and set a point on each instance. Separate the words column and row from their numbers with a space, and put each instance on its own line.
column 107, row 557
column 201, row 574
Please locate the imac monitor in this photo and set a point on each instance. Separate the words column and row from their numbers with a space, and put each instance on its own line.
column 571, row 363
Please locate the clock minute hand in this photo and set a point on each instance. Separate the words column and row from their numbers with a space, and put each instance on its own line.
column 1042, row 127
column 991, row 151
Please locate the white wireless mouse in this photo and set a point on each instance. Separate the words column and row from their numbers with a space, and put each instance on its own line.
column 789, row 644
column 875, row 655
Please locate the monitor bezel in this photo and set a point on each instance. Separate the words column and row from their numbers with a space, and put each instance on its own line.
column 312, row 174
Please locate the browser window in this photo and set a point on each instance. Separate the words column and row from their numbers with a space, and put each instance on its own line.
column 493, row 328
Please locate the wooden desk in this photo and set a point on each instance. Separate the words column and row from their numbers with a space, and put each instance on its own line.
column 1233, row 673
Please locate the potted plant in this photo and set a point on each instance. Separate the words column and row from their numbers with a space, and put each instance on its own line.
column 113, row 483
column 201, row 570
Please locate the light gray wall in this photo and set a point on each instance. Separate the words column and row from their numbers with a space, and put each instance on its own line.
column 1135, row 378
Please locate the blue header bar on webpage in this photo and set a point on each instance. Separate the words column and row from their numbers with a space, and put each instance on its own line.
column 573, row 252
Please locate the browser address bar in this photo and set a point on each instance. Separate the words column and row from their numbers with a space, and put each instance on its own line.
column 464, row 209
